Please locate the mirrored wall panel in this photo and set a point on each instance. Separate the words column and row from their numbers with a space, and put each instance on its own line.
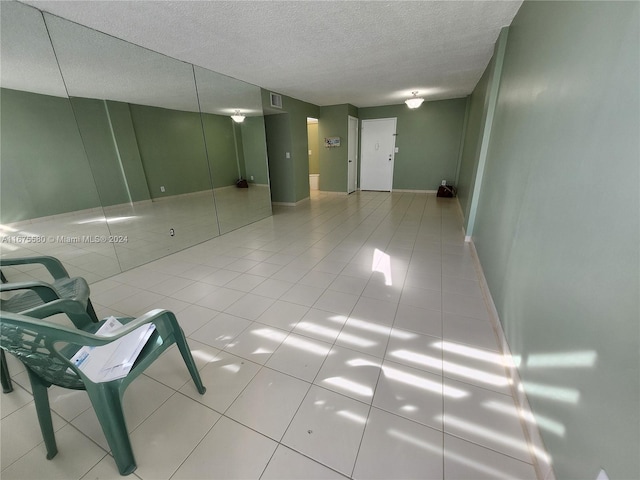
column 114, row 155
column 49, row 202
column 236, row 148
column 138, row 115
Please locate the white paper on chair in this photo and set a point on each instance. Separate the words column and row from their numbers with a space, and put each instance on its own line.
column 114, row 360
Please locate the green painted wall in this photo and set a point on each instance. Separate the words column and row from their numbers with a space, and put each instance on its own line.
column 218, row 131
column 428, row 142
column 557, row 228
column 281, row 172
column 128, row 147
column 473, row 135
column 172, row 150
column 289, row 177
column 254, row 145
column 314, row 157
column 44, row 167
column 333, row 122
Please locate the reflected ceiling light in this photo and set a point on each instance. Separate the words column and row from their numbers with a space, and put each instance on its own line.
column 238, row 117
column 415, row 101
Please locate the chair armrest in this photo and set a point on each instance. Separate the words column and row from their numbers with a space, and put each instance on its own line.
column 46, row 292
column 52, row 264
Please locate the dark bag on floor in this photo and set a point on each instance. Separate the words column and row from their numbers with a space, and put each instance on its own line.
column 446, row 191
column 242, row 183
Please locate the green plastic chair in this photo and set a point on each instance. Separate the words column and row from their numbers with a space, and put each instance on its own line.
column 31, row 294
column 38, row 292
column 45, row 348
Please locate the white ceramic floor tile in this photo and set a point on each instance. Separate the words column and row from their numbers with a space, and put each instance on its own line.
column 21, row 432
column 272, row 288
column 321, row 325
column 411, row 393
column 245, row 282
column 395, row 448
column 364, row 336
column 303, row 294
column 250, row 306
column 465, row 306
column 221, row 299
column 106, row 469
column 171, row 370
column 378, row 289
column 287, row 464
column 66, row 402
column 194, row 292
column 75, row 457
column 318, row 279
column 193, row 317
column 221, row 330
column 164, row 441
column 283, row 315
column 229, row 451
column 15, row 400
column 257, row 343
column 225, row 377
column 269, row 402
column 328, row 428
column 264, row 269
column 422, row 298
column 419, row 320
column 415, row 350
column 476, row 332
column 337, row 302
column 220, row 277
column 483, row 368
column 461, row 286
column 350, row 373
column 346, row 284
column 467, row 460
column 373, row 310
column 300, row 357
column 487, row 418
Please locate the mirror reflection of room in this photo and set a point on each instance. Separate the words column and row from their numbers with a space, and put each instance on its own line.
column 116, row 159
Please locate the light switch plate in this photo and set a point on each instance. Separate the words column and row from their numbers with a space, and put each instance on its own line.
column 287, row 155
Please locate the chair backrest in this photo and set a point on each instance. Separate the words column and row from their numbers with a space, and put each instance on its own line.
column 32, row 341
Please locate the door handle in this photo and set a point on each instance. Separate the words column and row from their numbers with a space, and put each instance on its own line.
column 389, row 157
column 350, row 161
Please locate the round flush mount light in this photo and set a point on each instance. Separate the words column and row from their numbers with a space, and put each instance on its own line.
column 415, row 101
column 238, row 117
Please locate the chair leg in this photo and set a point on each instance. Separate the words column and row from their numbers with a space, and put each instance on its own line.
column 91, row 311
column 41, row 400
column 5, row 378
column 107, row 403
column 188, row 359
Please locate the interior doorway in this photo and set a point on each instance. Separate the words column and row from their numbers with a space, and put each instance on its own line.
column 314, row 160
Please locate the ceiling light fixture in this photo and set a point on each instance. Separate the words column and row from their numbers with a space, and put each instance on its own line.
column 415, row 101
column 238, row 117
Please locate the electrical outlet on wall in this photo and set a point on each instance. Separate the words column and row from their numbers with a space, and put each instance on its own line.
column 162, row 188
column 444, row 182
column 251, row 177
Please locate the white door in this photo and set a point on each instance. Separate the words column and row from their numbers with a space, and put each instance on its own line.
column 378, row 145
column 352, row 166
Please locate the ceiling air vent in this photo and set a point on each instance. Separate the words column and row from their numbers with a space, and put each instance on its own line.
column 276, row 100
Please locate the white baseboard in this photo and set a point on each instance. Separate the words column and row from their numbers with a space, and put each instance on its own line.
column 540, row 458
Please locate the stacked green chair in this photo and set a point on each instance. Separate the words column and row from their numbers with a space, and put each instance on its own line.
column 30, row 294
column 45, row 348
column 34, row 293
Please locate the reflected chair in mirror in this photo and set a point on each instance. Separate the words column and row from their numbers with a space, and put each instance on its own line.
column 29, row 294
column 46, row 349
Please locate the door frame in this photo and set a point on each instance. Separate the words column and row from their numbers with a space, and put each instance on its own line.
column 353, row 140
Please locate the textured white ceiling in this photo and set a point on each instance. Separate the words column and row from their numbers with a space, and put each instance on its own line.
column 325, row 52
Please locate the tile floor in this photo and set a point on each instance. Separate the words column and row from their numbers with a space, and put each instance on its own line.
column 343, row 338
